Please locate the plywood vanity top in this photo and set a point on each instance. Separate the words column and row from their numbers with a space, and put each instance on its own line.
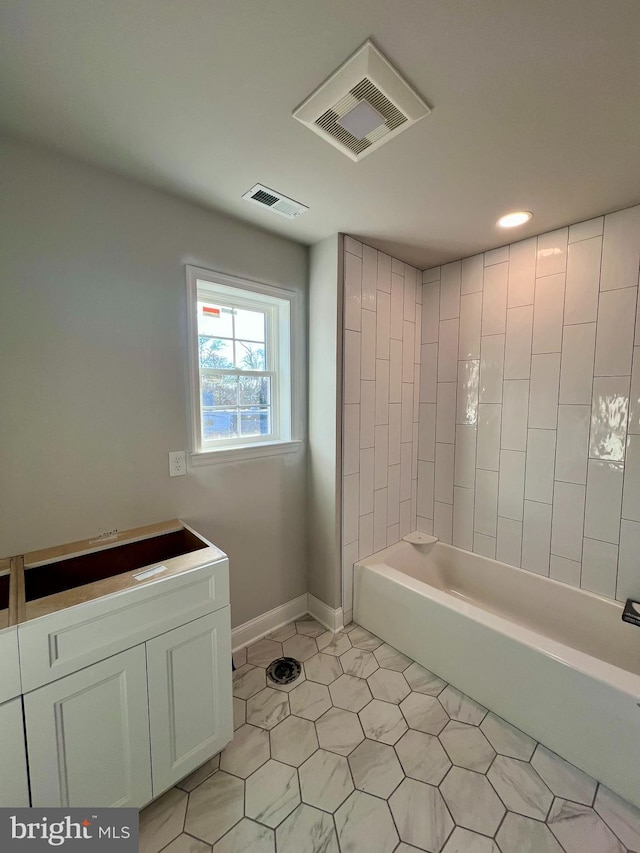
column 78, row 555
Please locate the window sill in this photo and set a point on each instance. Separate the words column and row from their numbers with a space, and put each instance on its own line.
column 251, row 451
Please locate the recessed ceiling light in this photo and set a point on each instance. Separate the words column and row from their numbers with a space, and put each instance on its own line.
column 518, row 217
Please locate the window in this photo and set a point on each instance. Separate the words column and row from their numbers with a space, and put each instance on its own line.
column 240, row 352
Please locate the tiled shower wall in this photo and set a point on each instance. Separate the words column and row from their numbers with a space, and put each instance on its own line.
column 382, row 321
column 529, row 426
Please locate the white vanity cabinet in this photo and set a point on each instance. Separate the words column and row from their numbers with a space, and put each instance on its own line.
column 14, row 787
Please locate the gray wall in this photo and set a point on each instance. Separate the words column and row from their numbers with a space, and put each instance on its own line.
column 93, row 373
column 325, row 377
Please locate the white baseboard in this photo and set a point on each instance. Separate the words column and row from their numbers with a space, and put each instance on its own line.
column 256, row 628
column 325, row 615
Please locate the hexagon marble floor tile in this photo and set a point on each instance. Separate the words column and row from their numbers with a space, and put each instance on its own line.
column 368, row 752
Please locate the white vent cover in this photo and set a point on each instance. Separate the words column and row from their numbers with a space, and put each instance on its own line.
column 364, row 104
column 273, row 200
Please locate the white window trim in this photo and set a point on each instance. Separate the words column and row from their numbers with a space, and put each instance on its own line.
column 214, row 455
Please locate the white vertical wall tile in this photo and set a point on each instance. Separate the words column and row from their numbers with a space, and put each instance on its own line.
column 408, row 350
column 599, row 567
column 414, row 450
column 583, row 281
column 496, row 256
column 515, row 407
column 382, row 391
column 517, row 350
column 465, row 456
column 352, row 246
column 621, row 249
column 552, row 252
column 428, row 373
column 444, row 473
column 416, row 336
column 350, row 502
column 604, row 500
column 367, row 413
column 395, row 371
column 365, row 536
column 351, row 367
column 631, row 490
column 450, row 290
column 572, row 447
column 628, row 565
column 409, row 296
column 491, row 369
column 381, row 456
column 397, row 306
column 614, row 337
column 443, row 522
column 609, row 413
column 405, row 472
column 351, row 439
column 578, row 348
column 397, row 266
column 427, row 432
column 486, row 502
column 463, row 518
column 393, row 495
column 488, row 444
column 393, row 534
column 379, row 520
column 470, row 324
column 567, row 571
column 541, row 451
column 511, row 484
column 568, row 520
column 485, row 545
column 548, row 313
column 586, row 230
column 395, row 433
column 536, row 537
column 352, row 291
column 414, row 502
column 634, row 401
column 472, row 275
column 509, row 541
column 494, row 300
column 349, row 557
column 383, row 319
column 407, row 411
column 467, row 396
column 384, row 272
column 430, row 313
column 446, row 413
column 431, row 275
column 366, row 481
column 426, row 478
column 369, row 277
column 522, row 273
column 543, row 391
column 405, row 518
column 448, row 351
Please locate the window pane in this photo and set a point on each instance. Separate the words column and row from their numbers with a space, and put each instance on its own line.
column 215, row 352
column 255, row 390
column 250, row 356
column 219, row 390
column 219, row 424
column 255, row 421
column 215, row 320
column 250, row 325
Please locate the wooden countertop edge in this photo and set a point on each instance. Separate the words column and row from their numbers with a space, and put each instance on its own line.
column 17, row 602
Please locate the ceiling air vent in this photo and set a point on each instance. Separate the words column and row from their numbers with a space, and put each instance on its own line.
column 364, row 104
column 275, row 201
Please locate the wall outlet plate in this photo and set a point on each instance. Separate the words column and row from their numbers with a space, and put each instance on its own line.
column 177, row 463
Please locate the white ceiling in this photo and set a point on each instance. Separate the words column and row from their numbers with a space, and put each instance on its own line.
column 536, row 105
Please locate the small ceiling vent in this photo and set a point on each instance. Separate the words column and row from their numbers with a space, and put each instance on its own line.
column 364, row 104
column 275, row 201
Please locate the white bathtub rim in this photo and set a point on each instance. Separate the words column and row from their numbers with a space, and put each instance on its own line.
column 607, row 673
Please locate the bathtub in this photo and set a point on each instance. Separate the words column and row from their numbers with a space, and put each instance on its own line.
column 555, row 661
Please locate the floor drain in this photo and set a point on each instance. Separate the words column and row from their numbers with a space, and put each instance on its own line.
column 284, row 670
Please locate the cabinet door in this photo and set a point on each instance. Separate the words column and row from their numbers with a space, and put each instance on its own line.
column 14, row 789
column 88, row 736
column 190, row 704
